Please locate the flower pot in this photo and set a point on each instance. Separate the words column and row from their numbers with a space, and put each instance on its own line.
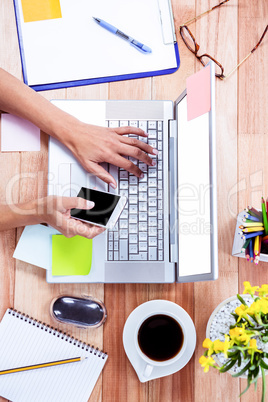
column 219, row 324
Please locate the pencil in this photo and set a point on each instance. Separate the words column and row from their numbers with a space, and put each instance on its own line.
column 254, row 212
column 256, row 245
column 252, row 218
column 264, row 217
column 250, row 235
column 251, row 250
column 250, row 224
column 252, row 229
column 245, row 245
column 42, row 365
column 247, row 253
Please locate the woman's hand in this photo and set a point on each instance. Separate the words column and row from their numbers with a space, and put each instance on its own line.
column 92, row 145
column 55, row 211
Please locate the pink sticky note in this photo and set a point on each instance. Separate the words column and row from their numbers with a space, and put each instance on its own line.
column 18, row 134
column 198, row 93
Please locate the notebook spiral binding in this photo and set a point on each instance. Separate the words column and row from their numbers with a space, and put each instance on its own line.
column 63, row 335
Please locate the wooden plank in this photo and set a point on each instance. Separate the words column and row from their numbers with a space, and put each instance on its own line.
column 216, row 33
column 252, row 138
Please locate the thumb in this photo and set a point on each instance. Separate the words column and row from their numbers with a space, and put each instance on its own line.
column 76, row 202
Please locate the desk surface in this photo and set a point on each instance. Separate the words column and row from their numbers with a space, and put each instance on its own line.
column 228, row 33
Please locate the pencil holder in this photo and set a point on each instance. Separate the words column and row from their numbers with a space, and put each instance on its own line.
column 251, row 239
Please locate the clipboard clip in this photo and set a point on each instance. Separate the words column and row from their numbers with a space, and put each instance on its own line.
column 167, row 22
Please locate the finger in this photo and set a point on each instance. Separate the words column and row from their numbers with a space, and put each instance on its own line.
column 130, row 130
column 137, row 153
column 78, row 228
column 66, row 203
column 134, row 142
column 100, row 172
column 126, row 164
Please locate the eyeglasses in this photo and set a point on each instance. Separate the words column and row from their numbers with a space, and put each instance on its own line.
column 189, row 40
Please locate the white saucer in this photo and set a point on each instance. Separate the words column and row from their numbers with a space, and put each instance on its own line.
column 157, row 306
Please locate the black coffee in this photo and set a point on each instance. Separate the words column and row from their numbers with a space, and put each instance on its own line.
column 160, row 337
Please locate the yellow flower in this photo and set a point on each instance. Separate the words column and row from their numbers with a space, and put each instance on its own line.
column 241, row 311
column 263, row 290
column 249, row 289
column 208, row 344
column 207, row 362
column 240, row 335
column 258, row 307
column 253, row 347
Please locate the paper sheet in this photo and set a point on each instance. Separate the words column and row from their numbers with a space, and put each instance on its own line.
column 71, row 256
column 18, row 134
column 38, row 10
column 34, row 246
column 198, row 93
column 75, row 47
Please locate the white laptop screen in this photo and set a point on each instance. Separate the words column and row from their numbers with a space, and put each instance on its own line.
column 193, row 193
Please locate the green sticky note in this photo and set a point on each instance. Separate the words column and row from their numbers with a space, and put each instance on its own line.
column 71, row 256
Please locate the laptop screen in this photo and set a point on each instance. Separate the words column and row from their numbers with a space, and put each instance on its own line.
column 196, row 195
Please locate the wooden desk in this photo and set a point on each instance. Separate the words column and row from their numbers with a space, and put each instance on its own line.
column 228, row 33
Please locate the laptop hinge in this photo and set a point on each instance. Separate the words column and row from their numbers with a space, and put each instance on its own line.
column 173, row 186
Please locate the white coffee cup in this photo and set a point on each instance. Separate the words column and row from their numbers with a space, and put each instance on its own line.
column 151, row 320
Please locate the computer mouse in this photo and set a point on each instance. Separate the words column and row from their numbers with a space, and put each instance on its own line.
column 83, row 312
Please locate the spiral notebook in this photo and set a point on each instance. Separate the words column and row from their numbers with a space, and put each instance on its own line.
column 25, row 341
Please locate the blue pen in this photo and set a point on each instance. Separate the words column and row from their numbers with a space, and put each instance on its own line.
column 139, row 46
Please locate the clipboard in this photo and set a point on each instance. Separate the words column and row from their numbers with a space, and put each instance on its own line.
column 53, row 57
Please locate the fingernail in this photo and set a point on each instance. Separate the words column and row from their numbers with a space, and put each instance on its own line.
column 112, row 185
column 155, row 151
column 141, row 176
column 90, row 204
column 153, row 163
column 146, row 134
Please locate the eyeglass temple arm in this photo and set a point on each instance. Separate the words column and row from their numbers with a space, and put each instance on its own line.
column 205, row 12
column 253, row 50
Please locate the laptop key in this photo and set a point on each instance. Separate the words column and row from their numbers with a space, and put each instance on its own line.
column 142, row 256
column 123, row 249
column 152, row 253
column 133, row 249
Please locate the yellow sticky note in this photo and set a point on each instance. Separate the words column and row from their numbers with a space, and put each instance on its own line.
column 71, row 256
column 39, row 10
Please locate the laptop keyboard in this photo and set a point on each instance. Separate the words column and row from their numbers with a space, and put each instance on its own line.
column 138, row 234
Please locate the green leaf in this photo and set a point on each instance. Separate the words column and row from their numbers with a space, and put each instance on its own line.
column 247, row 366
column 241, row 300
column 263, row 365
column 227, row 366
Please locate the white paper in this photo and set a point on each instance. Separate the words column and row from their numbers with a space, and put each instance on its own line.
column 25, row 343
column 18, row 134
column 75, row 47
column 35, row 245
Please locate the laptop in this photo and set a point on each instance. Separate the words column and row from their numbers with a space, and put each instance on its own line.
column 168, row 229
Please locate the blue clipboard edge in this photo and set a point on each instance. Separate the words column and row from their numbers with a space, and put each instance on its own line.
column 90, row 81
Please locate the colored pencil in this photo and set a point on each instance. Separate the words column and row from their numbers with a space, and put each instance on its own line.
column 250, row 224
column 264, row 217
column 252, row 218
column 256, row 245
column 253, row 229
column 250, row 235
column 245, row 245
column 42, row 365
column 254, row 212
column 251, row 250
column 247, row 253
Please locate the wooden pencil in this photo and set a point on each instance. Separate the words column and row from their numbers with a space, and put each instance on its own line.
column 42, row 365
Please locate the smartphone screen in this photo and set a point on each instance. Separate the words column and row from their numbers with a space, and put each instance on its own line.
column 100, row 214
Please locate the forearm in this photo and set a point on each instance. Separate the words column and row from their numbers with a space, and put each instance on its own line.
column 17, row 215
column 20, row 100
